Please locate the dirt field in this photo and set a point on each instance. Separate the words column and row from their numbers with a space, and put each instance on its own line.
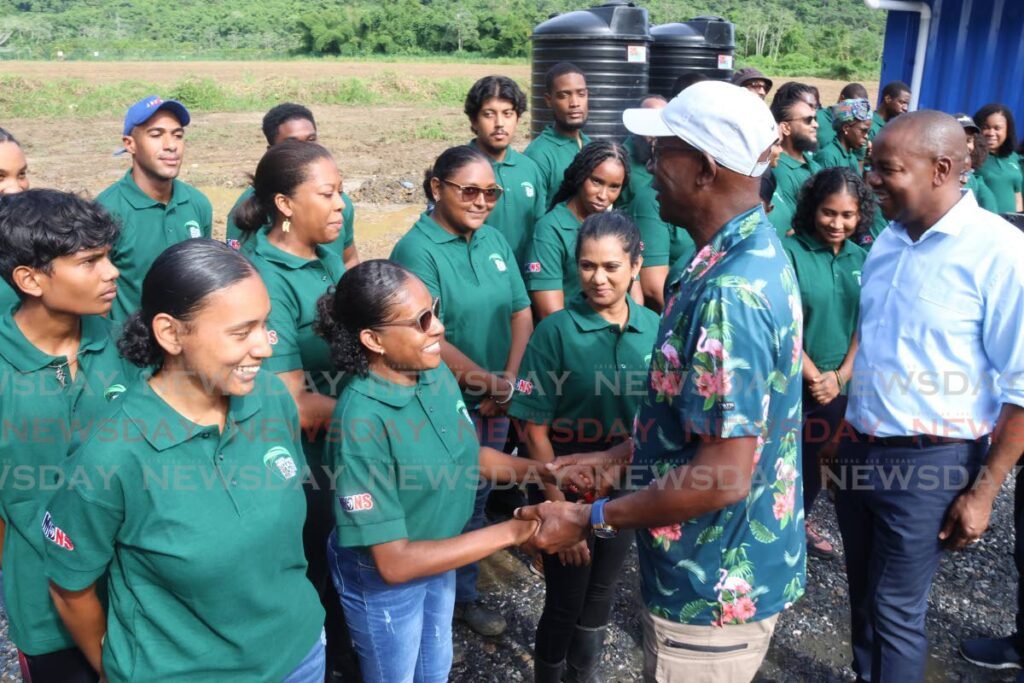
column 378, row 147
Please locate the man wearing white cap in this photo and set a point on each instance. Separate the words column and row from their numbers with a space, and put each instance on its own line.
column 716, row 444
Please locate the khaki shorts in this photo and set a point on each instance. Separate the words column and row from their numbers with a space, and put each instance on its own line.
column 675, row 652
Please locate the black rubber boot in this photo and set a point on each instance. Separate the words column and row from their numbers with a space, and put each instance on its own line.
column 543, row 672
column 584, row 658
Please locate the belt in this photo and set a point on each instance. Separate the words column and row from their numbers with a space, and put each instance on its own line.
column 912, row 441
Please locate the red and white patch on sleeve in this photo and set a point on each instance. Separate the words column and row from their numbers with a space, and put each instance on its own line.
column 359, row 502
column 533, row 267
column 524, row 386
column 272, row 337
column 55, row 534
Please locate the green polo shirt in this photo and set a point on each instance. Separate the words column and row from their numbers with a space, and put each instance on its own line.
column 660, row 242
column 1003, row 177
column 830, row 292
column 553, row 152
column 346, row 239
column 551, row 263
column 836, row 154
column 295, row 284
column 790, row 176
column 478, row 284
column 201, row 532
column 826, row 133
column 877, row 124
column 43, row 422
column 986, row 199
column 521, row 204
column 8, row 297
column 408, row 458
column 147, row 228
column 585, row 376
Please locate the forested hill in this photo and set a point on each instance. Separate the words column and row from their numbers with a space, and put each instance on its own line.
column 836, row 38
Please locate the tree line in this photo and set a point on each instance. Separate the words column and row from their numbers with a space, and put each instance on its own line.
column 814, row 37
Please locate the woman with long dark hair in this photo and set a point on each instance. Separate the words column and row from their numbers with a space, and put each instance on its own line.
column 1002, row 170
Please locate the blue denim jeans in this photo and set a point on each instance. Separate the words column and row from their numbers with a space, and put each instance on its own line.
column 493, row 432
column 402, row 633
column 313, row 667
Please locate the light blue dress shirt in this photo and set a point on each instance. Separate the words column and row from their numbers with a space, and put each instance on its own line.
column 941, row 328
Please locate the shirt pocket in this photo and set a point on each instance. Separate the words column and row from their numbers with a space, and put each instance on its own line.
column 948, row 310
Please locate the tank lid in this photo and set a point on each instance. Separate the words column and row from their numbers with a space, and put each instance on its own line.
column 704, row 31
column 616, row 19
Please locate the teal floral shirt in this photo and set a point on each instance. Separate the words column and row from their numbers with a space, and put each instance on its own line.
column 727, row 363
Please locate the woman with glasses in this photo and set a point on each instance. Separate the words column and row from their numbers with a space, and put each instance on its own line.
column 470, row 266
column 297, row 190
column 591, row 185
column 410, row 464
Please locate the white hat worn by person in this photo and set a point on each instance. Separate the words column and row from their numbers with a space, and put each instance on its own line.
column 728, row 123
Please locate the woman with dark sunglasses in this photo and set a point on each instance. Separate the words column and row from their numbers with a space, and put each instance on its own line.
column 297, row 190
column 470, row 266
column 592, row 184
column 409, row 466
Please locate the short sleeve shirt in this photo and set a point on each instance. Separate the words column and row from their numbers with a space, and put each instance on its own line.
column 830, row 292
column 584, row 376
column 551, row 264
column 986, row 200
column 1003, row 177
column 521, row 204
column 835, row 154
column 147, row 229
column 660, row 242
column 790, row 176
column 727, row 363
column 553, row 152
column 478, row 284
column 877, row 124
column 826, row 133
column 201, row 533
column 46, row 415
column 408, row 458
column 235, row 237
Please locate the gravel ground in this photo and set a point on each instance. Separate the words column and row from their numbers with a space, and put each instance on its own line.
column 972, row 595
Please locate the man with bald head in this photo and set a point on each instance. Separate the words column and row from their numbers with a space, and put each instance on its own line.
column 938, row 371
column 716, row 442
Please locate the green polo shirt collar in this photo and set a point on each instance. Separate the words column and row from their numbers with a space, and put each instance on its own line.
column 281, row 257
column 164, row 428
column 792, row 164
column 511, row 156
column 589, row 320
column 562, row 140
column 439, row 235
column 566, row 219
column 138, row 199
column 26, row 357
column 395, row 395
column 813, row 244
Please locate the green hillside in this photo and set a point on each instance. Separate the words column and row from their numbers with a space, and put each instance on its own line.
column 832, row 38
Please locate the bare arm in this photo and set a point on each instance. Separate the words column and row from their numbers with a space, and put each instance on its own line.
column 469, row 375
column 83, row 615
column 1020, row 202
column 404, row 560
column 522, row 328
column 501, row 468
column 538, row 443
column 350, row 256
column 547, row 302
column 315, row 409
column 846, row 368
column 652, row 282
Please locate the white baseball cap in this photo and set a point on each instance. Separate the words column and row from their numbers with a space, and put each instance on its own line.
column 729, row 123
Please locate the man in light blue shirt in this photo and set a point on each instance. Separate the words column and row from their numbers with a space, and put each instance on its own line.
column 940, row 367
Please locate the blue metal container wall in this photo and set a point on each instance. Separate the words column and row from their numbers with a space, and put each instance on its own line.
column 975, row 54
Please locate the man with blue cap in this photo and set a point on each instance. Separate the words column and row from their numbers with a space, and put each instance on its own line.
column 716, row 442
column 156, row 209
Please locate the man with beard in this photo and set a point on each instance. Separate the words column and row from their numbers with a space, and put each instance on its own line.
column 565, row 93
column 798, row 131
column 155, row 209
column 494, row 106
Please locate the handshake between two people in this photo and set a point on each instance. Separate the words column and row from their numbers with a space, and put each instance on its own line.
column 565, row 526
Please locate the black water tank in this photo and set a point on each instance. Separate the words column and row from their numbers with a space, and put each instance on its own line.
column 610, row 44
column 704, row 45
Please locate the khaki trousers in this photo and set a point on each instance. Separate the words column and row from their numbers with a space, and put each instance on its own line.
column 678, row 653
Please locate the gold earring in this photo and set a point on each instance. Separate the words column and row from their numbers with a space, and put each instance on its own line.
column 287, row 225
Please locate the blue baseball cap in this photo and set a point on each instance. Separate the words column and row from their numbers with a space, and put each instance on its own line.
column 144, row 109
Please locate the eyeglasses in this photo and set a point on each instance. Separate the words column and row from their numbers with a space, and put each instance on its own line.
column 806, row 120
column 469, row 193
column 424, row 321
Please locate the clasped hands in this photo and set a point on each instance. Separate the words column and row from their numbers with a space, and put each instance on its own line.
column 564, row 526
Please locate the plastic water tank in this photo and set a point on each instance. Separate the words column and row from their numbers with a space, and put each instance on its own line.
column 610, row 44
column 704, row 45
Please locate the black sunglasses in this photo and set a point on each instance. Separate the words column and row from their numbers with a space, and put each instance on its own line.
column 424, row 321
column 469, row 193
column 806, row 120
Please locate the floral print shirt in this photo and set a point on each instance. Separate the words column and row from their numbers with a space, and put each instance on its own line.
column 727, row 363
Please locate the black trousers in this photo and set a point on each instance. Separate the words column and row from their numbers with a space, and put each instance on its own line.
column 578, row 595
column 62, row 666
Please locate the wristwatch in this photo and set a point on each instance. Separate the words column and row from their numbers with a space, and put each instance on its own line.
column 600, row 528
